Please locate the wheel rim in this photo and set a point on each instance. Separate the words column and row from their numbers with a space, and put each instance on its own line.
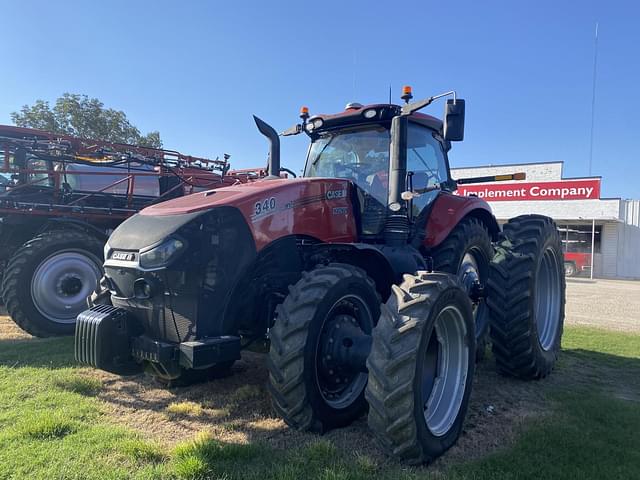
column 469, row 275
column 568, row 269
column 338, row 385
column 62, row 282
column 547, row 299
column 444, row 373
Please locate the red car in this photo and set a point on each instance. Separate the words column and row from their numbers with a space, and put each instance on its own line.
column 576, row 263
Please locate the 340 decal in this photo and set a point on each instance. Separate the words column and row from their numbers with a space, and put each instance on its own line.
column 265, row 206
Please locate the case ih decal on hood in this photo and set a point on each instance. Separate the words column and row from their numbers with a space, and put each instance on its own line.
column 277, row 207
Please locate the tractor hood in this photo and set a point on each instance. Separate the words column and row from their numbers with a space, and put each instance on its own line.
column 140, row 231
column 321, row 208
column 157, row 222
column 233, row 196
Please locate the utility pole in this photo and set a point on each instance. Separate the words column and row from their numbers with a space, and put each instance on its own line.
column 593, row 98
column 593, row 246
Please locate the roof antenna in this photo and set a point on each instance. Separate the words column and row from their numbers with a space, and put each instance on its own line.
column 390, row 85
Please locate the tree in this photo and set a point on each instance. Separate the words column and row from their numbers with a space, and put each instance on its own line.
column 84, row 117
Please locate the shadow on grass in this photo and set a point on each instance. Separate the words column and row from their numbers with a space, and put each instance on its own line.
column 205, row 457
column 586, row 372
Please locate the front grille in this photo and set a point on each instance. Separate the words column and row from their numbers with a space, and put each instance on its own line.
column 190, row 295
column 180, row 316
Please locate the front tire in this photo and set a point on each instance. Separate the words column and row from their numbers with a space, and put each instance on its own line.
column 47, row 281
column 421, row 367
column 526, row 296
column 311, row 386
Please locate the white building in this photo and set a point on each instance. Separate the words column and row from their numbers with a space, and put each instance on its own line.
column 611, row 226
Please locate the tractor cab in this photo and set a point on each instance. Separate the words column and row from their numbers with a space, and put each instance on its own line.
column 357, row 145
column 358, row 149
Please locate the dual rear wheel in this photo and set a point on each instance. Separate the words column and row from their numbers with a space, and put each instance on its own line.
column 335, row 351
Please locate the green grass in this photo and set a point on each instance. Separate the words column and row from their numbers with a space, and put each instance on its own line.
column 53, row 426
column 620, row 345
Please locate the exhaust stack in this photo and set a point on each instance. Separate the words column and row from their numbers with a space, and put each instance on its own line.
column 396, row 230
column 274, row 149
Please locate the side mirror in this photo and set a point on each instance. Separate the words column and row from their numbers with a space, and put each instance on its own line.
column 454, row 120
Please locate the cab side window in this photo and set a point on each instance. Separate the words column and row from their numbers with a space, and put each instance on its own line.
column 425, row 163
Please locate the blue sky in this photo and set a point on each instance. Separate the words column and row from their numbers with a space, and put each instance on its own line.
column 196, row 71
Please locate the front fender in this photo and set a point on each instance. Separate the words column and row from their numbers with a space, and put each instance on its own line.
column 372, row 260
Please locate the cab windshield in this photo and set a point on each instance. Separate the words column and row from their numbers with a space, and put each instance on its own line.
column 360, row 155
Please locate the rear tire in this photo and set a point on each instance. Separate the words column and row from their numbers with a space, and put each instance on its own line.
column 309, row 389
column 47, row 281
column 421, row 367
column 467, row 252
column 526, row 296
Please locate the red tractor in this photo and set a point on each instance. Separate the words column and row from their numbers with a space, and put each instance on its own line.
column 60, row 197
column 368, row 281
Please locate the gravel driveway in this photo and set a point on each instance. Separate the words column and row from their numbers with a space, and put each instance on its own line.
column 610, row 304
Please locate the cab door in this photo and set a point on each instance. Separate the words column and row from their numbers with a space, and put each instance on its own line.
column 427, row 166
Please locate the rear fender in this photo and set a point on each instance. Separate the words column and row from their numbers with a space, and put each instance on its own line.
column 449, row 210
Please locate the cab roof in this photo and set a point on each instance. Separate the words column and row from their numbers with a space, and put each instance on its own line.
column 353, row 114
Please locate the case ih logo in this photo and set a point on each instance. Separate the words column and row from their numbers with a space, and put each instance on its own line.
column 331, row 194
column 126, row 256
column 562, row 190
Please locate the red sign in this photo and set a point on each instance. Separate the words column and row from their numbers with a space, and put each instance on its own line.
column 562, row 190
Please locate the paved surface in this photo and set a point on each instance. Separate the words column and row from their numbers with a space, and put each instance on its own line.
column 611, row 304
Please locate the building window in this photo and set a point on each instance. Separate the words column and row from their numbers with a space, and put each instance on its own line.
column 577, row 238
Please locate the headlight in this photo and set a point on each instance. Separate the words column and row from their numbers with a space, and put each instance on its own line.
column 107, row 250
column 161, row 255
column 370, row 113
column 314, row 124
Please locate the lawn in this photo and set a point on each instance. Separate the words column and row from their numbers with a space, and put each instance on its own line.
column 55, row 424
